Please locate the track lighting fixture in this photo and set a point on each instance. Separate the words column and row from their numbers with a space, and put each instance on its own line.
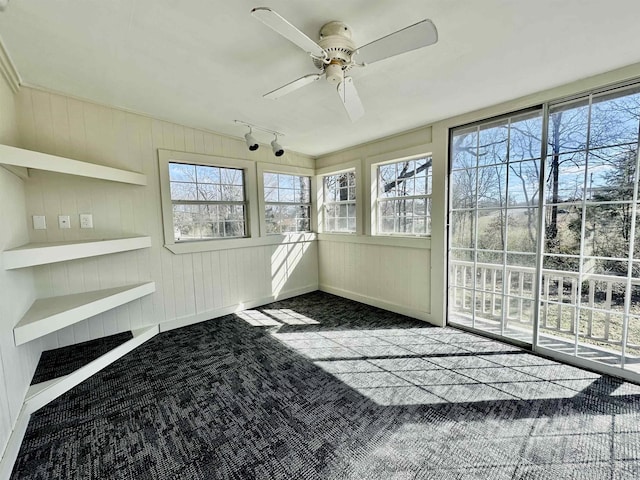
column 253, row 144
column 278, row 151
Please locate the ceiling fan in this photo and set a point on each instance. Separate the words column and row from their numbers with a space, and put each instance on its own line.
column 335, row 53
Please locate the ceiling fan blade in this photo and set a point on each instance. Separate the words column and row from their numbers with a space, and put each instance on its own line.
column 421, row 34
column 290, row 87
column 350, row 99
column 279, row 25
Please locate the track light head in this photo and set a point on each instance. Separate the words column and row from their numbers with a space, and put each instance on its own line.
column 251, row 142
column 278, row 151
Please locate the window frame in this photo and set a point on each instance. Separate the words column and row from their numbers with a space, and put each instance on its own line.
column 285, row 170
column 320, row 173
column 339, row 203
column 375, row 197
column 250, row 190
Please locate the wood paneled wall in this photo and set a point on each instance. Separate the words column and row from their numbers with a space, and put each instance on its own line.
column 391, row 277
column 17, row 290
column 388, row 272
column 190, row 287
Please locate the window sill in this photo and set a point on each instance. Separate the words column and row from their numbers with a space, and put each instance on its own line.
column 236, row 243
column 406, row 242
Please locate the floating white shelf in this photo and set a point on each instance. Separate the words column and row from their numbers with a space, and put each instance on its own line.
column 42, row 393
column 48, row 315
column 43, row 253
column 19, row 157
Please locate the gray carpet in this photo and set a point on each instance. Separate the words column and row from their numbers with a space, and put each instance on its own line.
column 62, row 361
column 318, row 387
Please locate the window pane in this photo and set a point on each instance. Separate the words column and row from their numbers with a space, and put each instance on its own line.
column 491, row 229
column 208, row 192
column 201, row 184
column 305, row 189
column 524, row 183
column 562, row 229
column 185, row 222
column 522, row 231
column 462, row 229
column 285, row 181
column 396, row 181
column 287, row 218
column 183, row 191
column 405, row 178
column 607, row 230
column 565, row 177
column 614, row 118
column 492, row 186
column 568, row 127
column 340, row 188
column 337, row 187
column 463, row 188
column 492, row 148
column 180, row 172
column 287, row 190
column 525, row 137
column 610, row 173
column 286, row 195
column 232, row 193
column 207, row 174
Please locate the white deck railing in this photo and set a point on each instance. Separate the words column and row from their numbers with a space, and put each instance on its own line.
column 599, row 312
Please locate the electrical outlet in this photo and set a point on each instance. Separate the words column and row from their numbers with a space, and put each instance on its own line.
column 64, row 221
column 39, row 222
column 86, row 220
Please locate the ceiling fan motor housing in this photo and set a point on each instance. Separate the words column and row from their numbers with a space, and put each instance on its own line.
column 335, row 39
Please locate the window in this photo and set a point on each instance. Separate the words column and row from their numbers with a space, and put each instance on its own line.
column 287, row 203
column 340, row 203
column 208, row 202
column 404, row 197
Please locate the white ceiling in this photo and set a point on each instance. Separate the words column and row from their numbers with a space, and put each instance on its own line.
column 205, row 63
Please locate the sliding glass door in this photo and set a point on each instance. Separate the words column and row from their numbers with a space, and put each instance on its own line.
column 590, row 283
column 559, row 270
column 494, row 202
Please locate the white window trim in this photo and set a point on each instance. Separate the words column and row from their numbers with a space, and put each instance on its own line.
column 263, row 168
column 353, row 166
column 251, row 198
column 412, row 153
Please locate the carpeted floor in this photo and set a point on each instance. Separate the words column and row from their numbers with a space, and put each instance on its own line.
column 318, row 387
column 62, row 361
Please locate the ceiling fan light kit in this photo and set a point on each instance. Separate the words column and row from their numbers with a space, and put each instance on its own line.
column 335, row 53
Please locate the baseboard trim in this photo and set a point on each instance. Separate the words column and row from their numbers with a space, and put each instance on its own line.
column 221, row 312
column 375, row 302
column 12, row 448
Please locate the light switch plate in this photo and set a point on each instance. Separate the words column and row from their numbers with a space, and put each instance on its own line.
column 39, row 222
column 86, row 220
column 64, row 221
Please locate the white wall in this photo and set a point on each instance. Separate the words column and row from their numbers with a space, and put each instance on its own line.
column 416, row 274
column 391, row 273
column 190, row 287
column 17, row 290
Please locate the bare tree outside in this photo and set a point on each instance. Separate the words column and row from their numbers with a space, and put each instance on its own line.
column 287, row 203
column 208, row 202
column 404, row 197
column 590, row 290
column 340, row 202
